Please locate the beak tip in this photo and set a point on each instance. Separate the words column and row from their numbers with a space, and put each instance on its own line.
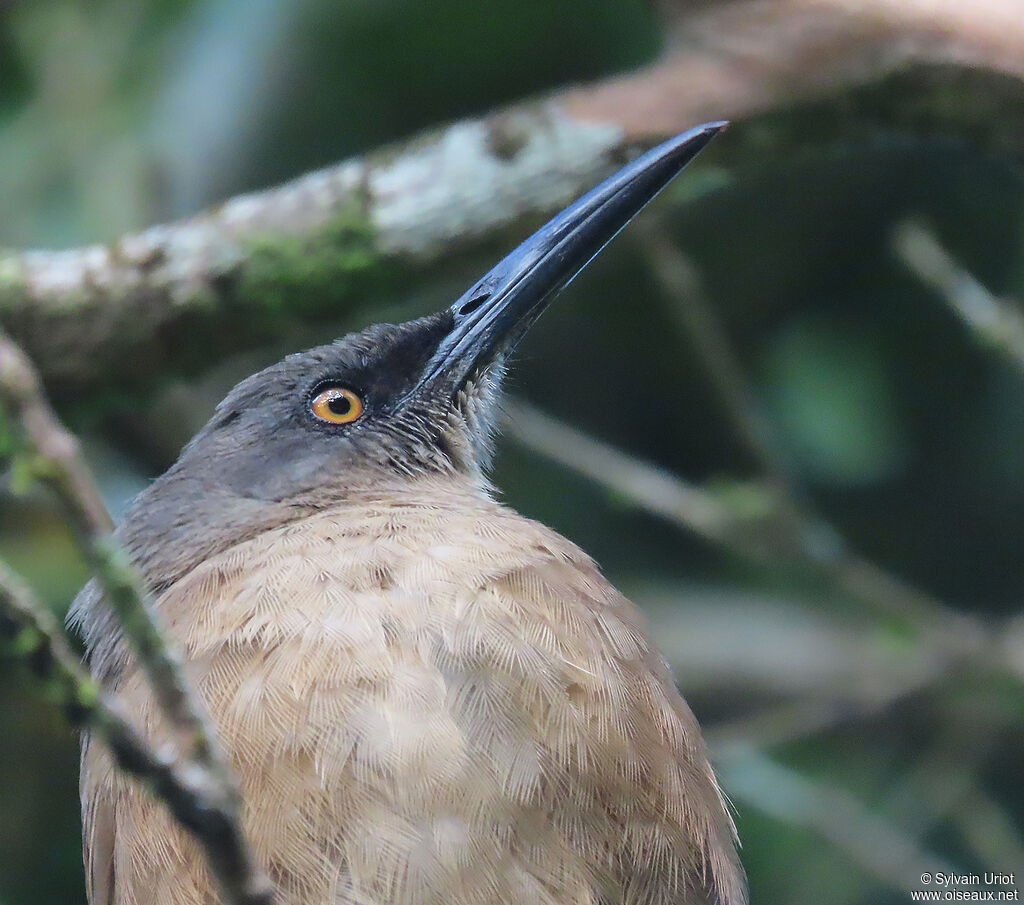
column 678, row 151
column 494, row 313
column 694, row 140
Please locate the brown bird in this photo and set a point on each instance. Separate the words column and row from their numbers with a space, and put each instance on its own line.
column 427, row 698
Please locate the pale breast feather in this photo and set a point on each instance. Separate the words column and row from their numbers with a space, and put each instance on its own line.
column 436, row 703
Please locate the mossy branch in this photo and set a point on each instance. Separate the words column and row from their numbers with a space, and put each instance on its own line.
column 29, row 631
column 317, row 245
column 195, row 782
column 202, row 806
column 53, row 459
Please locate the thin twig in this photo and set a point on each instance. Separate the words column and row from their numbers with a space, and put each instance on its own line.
column 690, row 310
column 989, row 830
column 32, row 632
column 815, row 540
column 759, row 528
column 204, row 806
column 931, row 792
column 55, row 461
column 783, row 724
column 995, row 322
column 651, row 488
column 196, row 785
column 797, row 800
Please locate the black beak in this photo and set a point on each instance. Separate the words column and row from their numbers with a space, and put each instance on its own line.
column 493, row 316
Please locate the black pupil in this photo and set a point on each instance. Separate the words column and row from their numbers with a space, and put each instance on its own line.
column 339, row 404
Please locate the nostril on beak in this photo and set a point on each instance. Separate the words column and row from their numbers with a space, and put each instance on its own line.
column 474, row 303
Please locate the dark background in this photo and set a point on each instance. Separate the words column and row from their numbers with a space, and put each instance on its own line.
column 854, row 745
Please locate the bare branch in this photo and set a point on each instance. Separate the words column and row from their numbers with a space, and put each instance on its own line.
column 653, row 489
column 793, row 721
column 995, row 322
column 204, row 806
column 735, row 60
column 753, row 522
column 931, row 791
column 877, row 846
column 990, row 830
column 815, row 541
column 702, row 330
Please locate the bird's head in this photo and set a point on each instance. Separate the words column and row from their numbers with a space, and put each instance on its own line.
column 401, row 400
column 393, row 402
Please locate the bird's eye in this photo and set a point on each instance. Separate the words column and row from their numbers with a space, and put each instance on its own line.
column 336, row 405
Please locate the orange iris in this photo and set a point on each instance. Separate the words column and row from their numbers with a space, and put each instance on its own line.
column 337, row 405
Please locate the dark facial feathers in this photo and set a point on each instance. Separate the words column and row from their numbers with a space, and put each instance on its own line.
column 264, row 459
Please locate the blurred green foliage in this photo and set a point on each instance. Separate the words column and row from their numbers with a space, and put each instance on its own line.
column 907, row 435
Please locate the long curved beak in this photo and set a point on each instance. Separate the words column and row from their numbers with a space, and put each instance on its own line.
column 491, row 318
